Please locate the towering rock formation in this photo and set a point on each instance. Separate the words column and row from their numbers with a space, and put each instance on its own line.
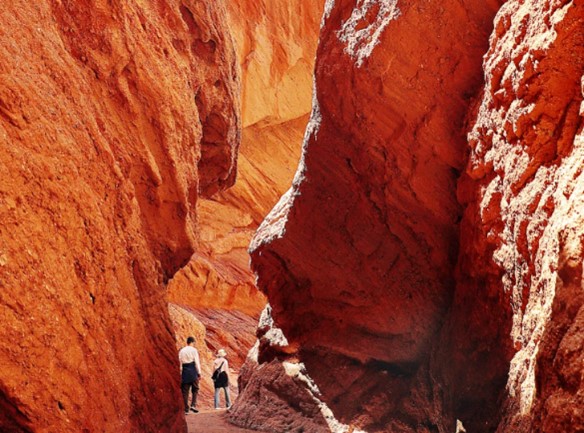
column 276, row 44
column 405, row 319
column 357, row 258
column 106, row 111
column 218, row 275
column 517, row 315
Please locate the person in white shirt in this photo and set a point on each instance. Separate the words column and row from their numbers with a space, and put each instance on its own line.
column 221, row 377
column 190, row 367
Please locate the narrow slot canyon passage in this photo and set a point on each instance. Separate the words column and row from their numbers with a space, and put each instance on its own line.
column 372, row 209
column 214, row 297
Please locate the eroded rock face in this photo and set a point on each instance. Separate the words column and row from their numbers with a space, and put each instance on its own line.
column 276, row 45
column 218, row 275
column 517, row 314
column 357, row 258
column 276, row 394
column 101, row 138
column 217, row 100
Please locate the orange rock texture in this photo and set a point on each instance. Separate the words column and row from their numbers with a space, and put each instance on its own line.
column 276, row 395
column 517, row 315
column 112, row 117
column 218, row 275
column 276, row 45
column 357, row 259
column 415, row 295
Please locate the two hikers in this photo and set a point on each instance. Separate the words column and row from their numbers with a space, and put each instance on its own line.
column 191, row 375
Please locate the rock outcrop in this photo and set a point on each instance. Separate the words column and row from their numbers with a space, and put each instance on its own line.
column 276, row 45
column 218, row 275
column 357, row 258
column 276, row 394
column 517, row 314
column 414, row 295
column 112, row 116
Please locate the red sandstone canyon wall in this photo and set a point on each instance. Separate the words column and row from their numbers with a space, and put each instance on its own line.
column 276, row 45
column 218, row 275
column 517, row 314
column 357, row 259
column 405, row 318
column 112, row 117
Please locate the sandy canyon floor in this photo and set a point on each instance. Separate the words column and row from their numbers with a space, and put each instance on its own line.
column 212, row 421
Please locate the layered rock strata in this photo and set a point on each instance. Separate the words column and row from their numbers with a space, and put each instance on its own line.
column 357, row 258
column 218, row 275
column 105, row 110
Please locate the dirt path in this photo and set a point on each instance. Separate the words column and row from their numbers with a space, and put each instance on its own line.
column 212, row 421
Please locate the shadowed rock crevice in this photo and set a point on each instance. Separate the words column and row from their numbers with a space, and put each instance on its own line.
column 12, row 419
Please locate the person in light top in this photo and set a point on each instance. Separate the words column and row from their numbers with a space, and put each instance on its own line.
column 221, row 377
column 190, row 368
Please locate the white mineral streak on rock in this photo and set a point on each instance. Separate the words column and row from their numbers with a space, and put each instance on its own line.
column 582, row 90
column 328, row 7
column 274, row 225
column 266, row 320
column 554, row 183
column 459, row 427
column 565, row 187
column 274, row 335
column 295, row 370
column 360, row 43
column 528, row 17
column 254, row 352
column 298, row 371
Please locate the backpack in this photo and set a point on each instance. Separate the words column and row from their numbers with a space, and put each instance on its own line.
column 215, row 375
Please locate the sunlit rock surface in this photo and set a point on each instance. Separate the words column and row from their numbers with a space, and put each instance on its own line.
column 276, row 45
column 108, row 113
column 276, row 394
